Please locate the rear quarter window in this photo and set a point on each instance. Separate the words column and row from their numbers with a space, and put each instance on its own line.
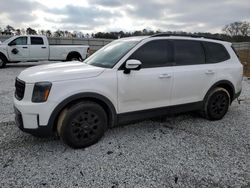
column 215, row 52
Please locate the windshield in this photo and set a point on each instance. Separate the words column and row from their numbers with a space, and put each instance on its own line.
column 110, row 54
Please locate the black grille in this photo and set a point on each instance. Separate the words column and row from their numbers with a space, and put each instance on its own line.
column 20, row 88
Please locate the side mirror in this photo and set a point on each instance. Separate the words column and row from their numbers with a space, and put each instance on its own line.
column 132, row 64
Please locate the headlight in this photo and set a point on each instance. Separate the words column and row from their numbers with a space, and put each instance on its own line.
column 41, row 91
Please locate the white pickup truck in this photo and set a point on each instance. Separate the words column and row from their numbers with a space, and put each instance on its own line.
column 37, row 48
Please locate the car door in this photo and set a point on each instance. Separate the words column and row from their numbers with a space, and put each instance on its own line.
column 18, row 49
column 149, row 87
column 38, row 49
column 192, row 76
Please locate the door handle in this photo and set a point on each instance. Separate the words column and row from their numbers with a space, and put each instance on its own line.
column 165, row 75
column 209, row 72
column 43, row 47
column 25, row 47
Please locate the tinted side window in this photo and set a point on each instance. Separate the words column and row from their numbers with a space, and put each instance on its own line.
column 19, row 41
column 215, row 52
column 188, row 52
column 36, row 40
column 156, row 53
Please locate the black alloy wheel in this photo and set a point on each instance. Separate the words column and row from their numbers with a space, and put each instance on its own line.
column 83, row 125
column 217, row 104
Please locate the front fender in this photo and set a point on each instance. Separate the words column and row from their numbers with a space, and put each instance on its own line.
column 85, row 95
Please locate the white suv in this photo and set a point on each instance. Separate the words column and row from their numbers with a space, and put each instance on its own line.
column 129, row 79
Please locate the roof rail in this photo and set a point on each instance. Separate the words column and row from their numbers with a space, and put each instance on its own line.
column 185, row 35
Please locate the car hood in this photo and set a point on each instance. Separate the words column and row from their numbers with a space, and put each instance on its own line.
column 59, row 72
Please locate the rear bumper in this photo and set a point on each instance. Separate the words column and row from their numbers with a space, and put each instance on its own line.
column 39, row 131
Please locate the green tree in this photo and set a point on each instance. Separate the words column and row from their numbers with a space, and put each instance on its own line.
column 31, row 31
column 48, row 33
column 237, row 29
column 18, row 32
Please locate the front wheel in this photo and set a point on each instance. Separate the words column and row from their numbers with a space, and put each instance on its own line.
column 216, row 104
column 83, row 124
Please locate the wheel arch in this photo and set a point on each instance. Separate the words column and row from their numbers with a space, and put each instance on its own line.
column 72, row 54
column 4, row 56
column 226, row 84
column 103, row 101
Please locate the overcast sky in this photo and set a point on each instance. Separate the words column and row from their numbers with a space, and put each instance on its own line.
column 127, row 15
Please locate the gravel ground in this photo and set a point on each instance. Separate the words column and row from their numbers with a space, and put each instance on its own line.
column 182, row 151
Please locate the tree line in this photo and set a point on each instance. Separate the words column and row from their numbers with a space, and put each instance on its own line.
column 234, row 32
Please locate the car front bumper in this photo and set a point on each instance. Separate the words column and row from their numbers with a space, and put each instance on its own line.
column 42, row 131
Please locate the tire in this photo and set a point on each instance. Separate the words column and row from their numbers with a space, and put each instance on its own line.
column 83, row 125
column 216, row 104
column 2, row 62
column 74, row 57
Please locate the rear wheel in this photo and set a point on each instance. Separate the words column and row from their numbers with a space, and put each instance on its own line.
column 216, row 104
column 83, row 125
column 74, row 57
column 2, row 62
